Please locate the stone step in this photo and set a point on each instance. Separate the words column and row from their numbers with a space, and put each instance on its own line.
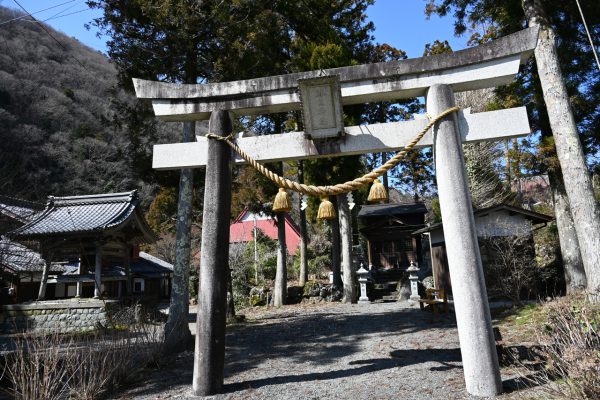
column 385, row 286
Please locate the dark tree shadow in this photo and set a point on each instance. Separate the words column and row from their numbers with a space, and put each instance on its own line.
column 398, row 358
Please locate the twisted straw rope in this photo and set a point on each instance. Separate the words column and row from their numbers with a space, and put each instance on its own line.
column 340, row 188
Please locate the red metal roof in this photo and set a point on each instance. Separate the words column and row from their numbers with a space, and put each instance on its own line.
column 243, row 231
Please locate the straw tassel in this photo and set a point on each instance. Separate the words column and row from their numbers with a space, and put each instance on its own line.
column 377, row 192
column 282, row 202
column 326, row 209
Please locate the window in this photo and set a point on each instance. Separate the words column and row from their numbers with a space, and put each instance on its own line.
column 138, row 285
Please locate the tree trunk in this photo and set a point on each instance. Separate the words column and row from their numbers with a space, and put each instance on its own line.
column 44, row 281
column 280, row 291
column 303, row 233
column 177, row 331
column 335, row 248
column 569, row 245
column 345, row 218
column 578, row 184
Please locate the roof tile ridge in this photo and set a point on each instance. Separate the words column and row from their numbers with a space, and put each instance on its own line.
column 38, row 217
column 101, row 198
column 22, row 203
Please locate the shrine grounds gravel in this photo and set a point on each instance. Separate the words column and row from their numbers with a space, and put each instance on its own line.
column 332, row 351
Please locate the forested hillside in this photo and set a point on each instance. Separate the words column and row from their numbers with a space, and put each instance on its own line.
column 64, row 127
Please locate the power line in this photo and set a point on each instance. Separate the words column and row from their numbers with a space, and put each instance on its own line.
column 62, row 11
column 37, row 12
column 59, row 15
column 588, row 34
column 50, row 34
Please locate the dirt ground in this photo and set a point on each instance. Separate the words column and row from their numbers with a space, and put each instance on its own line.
column 335, row 351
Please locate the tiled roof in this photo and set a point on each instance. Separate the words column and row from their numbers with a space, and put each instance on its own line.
column 82, row 214
column 150, row 259
column 20, row 210
column 380, row 210
column 146, row 266
column 19, row 258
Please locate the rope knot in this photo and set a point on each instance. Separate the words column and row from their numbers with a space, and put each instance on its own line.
column 218, row 138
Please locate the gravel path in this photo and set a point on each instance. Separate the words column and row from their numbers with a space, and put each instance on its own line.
column 335, row 351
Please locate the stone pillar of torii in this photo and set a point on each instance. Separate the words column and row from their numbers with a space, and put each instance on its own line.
column 320, row 95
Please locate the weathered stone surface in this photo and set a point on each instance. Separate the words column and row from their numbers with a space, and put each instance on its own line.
column 488, row 65
column 477, row 345
column 52, row 316
column 209, row 354
column 362, row 139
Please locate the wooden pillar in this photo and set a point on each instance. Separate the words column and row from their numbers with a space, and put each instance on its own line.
column 345, row 219
column 78, row 285
column 280, row 290
column 369, row 254
column 98, row 272
column 209, row 355
column 335, row 247
column 44, row 279
column 127, row 267
column 477, row 345
column 303, row 232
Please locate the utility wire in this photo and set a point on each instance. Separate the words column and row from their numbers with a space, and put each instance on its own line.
column 37, row 12
column 64, row 15
column 62, row 11
column 588, row 34
column 50, row 34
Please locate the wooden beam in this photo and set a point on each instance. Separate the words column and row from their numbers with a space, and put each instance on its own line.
column 358, row 140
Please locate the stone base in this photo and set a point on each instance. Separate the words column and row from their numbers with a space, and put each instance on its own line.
column 364, row 300
column 54, row 316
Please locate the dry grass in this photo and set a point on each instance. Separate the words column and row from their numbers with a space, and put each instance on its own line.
column 88, row 366
column 563, row 353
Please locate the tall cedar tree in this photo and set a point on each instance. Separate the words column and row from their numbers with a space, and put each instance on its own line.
column 561, row 27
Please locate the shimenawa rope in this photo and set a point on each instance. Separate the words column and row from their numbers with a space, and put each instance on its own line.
column 340, row 188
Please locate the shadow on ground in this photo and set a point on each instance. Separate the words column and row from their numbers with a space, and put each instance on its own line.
column 398, row 358
column 321, row 338
column 318, row 337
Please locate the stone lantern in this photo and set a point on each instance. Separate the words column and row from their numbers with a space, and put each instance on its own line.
column 362, row 280
column 414, row 287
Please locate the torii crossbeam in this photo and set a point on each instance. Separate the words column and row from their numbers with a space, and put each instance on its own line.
column 437, row 78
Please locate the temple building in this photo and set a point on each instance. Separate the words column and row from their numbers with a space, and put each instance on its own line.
column 84, row 246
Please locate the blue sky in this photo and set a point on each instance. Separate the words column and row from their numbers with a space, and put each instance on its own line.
column 400, row 23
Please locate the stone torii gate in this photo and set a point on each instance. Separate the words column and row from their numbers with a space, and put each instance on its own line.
column 437, row 78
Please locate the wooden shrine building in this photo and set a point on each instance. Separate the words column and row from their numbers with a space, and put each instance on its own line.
column 389, row 229
column 92, row 236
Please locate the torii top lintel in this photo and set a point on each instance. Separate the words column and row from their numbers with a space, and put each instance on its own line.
column 489, row 65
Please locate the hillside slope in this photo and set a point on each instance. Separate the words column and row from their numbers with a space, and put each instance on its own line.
column 63, row 126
